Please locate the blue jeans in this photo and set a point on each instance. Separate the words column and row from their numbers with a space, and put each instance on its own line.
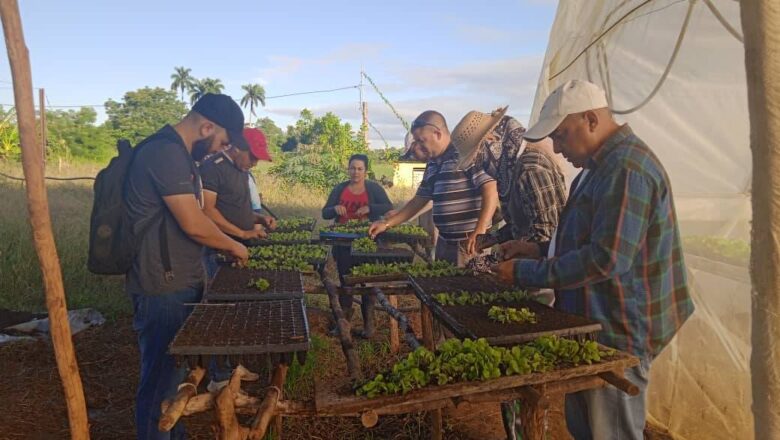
column 157, row 319
column 608, row 413
column 210, row 263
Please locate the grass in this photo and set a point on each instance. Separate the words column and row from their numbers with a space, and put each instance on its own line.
column 70, row 204
column 20, row 277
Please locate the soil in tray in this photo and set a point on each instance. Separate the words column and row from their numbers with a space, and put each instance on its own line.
column 231, row 281
column 475, row 318
column 482, row 283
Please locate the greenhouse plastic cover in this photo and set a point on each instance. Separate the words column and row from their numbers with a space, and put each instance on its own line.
column 697, row 123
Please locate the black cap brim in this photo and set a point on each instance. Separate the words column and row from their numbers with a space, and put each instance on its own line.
column 238, row 140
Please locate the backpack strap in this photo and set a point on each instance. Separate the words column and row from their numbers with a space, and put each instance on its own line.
column 165, row 253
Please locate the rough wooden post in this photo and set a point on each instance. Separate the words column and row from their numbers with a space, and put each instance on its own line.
column 345, row 333
column 38, row 206
column 267, row 408
column 175, row 408
column 532, row 414
column 395, row 343
column 397, row 317
column 426, row 321
column 761, row 27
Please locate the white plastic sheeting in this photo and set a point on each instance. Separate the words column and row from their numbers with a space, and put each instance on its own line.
column 678, row 67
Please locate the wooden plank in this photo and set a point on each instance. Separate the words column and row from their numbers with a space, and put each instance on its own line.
column 354, row 280
column 361, row 290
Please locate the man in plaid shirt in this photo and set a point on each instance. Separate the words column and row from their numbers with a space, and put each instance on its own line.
column 617, row 255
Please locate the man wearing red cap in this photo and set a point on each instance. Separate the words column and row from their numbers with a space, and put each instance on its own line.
column 226, row 195
column 260, row 152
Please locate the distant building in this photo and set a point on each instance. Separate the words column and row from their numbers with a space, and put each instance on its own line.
column 408, row 174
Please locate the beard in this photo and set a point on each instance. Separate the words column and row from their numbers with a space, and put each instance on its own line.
column 201, row 148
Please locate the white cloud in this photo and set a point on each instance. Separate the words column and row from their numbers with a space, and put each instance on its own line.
column 453, row 91
column 285, row 66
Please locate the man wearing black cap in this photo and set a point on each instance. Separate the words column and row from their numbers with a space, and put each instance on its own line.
column 163, row 199
column 226, row 197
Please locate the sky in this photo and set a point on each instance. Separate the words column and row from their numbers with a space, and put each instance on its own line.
column 451, row 56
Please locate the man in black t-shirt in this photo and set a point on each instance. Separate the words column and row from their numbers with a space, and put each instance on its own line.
column 226, row 196
column 164, row 200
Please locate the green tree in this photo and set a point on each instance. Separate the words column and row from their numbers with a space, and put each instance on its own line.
column 73, row 134
column 202, row 86
column 9, row 135
column 321, row 147
column 142, row 112
column 273, row 134
column 181, row 80
column 255, row 94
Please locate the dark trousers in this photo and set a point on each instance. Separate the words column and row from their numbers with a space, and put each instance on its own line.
column 156, row 320
column 343, row 257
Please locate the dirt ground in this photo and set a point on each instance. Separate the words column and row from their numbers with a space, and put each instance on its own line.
column 34, row 408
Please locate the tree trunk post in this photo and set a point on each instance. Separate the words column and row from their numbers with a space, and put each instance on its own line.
column 761, row 27
column 40, row 220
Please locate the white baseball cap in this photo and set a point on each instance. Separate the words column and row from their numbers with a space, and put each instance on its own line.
column 574, row 96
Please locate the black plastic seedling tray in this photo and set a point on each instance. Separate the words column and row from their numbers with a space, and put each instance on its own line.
column 472, row 321
column 232, row 284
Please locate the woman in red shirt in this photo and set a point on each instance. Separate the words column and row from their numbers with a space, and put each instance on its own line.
column 356, row 199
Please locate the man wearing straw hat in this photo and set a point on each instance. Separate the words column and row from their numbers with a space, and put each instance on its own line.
column 531, row 187
column 463, row 200
column 617, row 256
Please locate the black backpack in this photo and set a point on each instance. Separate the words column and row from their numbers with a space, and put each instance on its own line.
column 111, row 245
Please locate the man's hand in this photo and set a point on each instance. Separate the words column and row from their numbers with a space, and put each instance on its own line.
column 240, row 253
column 340, row 210
column 377, row 228
column 268, row 221
column 391, row 213
column 256, row 232
column 505, row 271
column 519, row 249
column 363, row 210
column 471, row 242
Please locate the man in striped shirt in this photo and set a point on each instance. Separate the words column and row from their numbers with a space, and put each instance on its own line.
column 463, row 200
column 617, row 254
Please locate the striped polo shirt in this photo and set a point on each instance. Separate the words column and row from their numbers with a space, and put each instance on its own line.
column 455, row 193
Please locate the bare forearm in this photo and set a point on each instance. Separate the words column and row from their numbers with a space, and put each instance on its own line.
column 222, row 223
column 206, row 232
column 408, row 211
column 489, row 204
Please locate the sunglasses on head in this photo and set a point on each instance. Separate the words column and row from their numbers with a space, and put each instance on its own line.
column 419, row 124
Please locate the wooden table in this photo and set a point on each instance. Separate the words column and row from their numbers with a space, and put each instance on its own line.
column 334, row 398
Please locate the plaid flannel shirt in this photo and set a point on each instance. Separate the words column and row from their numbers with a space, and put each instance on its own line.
column 618, row 257
column 537, row 197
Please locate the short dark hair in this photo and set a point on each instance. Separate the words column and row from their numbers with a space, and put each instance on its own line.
column 361, row 157
column 431, row 117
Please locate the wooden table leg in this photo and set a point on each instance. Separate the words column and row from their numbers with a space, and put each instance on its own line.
column 426, row 321
column 395, row 343
column 532, row 416
column 277, row 421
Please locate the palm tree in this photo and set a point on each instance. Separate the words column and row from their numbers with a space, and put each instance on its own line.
column 203, row 86
column 182, row 80
column 255, row 94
